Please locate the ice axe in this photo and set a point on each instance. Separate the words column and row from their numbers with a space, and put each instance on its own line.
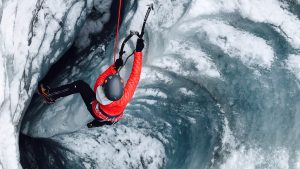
column 132, row 33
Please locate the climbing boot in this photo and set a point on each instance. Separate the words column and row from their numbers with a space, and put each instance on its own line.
column 44, row 92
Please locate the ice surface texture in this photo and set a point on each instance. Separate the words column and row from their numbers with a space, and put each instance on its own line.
column 34, row 34
column 219, row 89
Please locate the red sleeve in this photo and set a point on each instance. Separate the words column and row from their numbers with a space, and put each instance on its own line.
column 133, row 79
column 109, row 71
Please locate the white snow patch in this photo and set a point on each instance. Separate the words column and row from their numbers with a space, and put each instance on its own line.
column 293, row 64
column 234, row 42
column 297, row 163
column 148, row 101
column 192, row 120
column 252, row 158
column 120, row 147
column 228, row 139
column 2, row 79
column 195, row 61
column 186, row 92
column 151, row 92
column 92, row 25
column 170, row 11
column 9, row 156
column 150, row 76
column 267, row 11
column 72, row 18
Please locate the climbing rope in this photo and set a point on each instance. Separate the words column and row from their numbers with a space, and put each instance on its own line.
column 117, row 31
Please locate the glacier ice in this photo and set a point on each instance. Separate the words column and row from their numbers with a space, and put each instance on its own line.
column 212, row 90
column 99, row 15
column 122, row 147
column 34, row 34
column 220, row 83
column 293, row 64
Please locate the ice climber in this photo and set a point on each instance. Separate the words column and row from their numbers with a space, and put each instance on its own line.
column 110, row 96
column 108, row 100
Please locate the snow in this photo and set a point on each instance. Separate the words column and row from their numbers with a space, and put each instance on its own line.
column 28, row 44
column 297, row 164
column 235, row 43
column 2, row 80
column 148, row 76
column 94, row 26
column 8, row 141
column 293, row 64
column 122, row 147
column 151, row 92
column 189, row 53
column 286, row 23
column 186, row 92
column 32, row 38
column 255, row 158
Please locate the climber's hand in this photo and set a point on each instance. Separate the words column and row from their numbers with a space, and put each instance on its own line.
column 140, row 45
column 119, row 63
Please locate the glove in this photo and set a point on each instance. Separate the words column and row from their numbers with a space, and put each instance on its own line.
column 119, row 63
column 139, row 45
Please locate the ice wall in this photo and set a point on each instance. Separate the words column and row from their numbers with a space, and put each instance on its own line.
column 33, row 35
column 218, row 90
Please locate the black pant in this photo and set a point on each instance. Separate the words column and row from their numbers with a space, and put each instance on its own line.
column 87, row 94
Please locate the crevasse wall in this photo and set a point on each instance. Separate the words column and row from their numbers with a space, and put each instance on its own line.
column 33, row 35
column 219, row 89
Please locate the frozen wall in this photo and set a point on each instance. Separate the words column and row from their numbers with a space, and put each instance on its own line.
column 219, row 89
column 33, row 35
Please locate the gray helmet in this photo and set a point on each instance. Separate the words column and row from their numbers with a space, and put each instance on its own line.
column 113, row 87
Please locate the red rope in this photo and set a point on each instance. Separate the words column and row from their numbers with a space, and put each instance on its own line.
column 117, row 31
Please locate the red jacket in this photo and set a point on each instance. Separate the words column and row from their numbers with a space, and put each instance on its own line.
column 115, row 110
